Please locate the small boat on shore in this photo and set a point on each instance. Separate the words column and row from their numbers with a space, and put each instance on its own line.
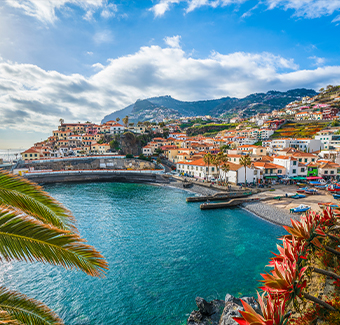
column 333, row 188
column 336, row 196
column 311, row 191
column 302, row 190
column 328, row 205
column 300, row 208
column 298, row 196
column 321, row 187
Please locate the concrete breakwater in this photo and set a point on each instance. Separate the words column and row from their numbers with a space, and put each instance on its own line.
column 97, row 176
column 220, row 312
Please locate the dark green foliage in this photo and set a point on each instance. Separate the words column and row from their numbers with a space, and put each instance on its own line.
column 129, row 156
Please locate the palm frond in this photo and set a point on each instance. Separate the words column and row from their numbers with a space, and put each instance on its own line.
column 6, row 318
column 25, row 239
column 29, row 197
column 23, row 310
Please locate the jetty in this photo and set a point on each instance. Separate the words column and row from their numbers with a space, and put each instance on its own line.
column 220, row 196
column 237, row 201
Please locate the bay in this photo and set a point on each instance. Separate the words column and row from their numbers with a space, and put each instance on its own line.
column 162, row 253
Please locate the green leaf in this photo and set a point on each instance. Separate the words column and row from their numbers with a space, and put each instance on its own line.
column 18, row 192
column 25, row 310
column 26, row 239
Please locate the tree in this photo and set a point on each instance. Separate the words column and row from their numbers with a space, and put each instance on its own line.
column 61, row 121
column 158, row 161
column 126, row 120
column 207, row 158
column 225, row 168
column 245, row 162
column 321, row 90
column 36, row 228
column 159, row 151
column 117, row 119
column 161, row 124
column 224, row 148
column 131, row 124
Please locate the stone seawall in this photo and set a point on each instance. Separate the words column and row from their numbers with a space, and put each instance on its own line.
column 93, row 176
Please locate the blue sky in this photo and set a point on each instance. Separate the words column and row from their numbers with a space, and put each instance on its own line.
column 82, row 59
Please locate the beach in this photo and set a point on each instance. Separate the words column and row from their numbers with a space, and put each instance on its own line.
column 273, row 210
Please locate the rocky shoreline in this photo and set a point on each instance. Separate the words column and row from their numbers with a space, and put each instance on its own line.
column 270, row 213
column 219, row 312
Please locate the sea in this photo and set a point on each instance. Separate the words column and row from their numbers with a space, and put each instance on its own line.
column 162, row 252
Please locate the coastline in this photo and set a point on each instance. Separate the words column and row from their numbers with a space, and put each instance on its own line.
column 262, row 210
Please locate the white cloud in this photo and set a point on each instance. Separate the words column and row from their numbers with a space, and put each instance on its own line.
column 98, row 66
column 89, row 53
column 164, row 5
column 302, row 8
column 104, row 36
column 173, row 41
column 109, row 11
column 45, row 10
column 35, row 99
column 317, row 61
column 307, row 8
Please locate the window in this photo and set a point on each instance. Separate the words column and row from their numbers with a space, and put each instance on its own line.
column 294, row 171
column 30, row 155
column 302, row 170
column 279, row 171
column 313, row 159
column 326, row 171
column 332, row 171
column 300, row 159
column 294, row 162
column 305, row 159
column 25, row 154
column 212, row 169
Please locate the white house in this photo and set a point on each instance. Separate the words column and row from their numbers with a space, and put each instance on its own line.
column 117, row 128
column 289, row 163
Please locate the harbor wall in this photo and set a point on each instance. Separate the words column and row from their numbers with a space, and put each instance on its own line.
column 97, row 176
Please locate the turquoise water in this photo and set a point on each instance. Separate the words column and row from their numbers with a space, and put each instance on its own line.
column 162, row 253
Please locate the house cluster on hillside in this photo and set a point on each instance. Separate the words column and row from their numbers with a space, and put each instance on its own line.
column 74, row 139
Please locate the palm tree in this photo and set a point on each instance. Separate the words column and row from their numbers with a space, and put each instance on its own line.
column 117, row 119
column 245, row 162
column 208, row 158
column 36, row 228
column 225, row 167
column 61, row 121
column 126, row 120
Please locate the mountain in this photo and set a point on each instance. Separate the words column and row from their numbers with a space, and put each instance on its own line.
column 158, row 108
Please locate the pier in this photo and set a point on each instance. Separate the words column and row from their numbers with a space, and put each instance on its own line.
column 237, row 201
column 219, row 196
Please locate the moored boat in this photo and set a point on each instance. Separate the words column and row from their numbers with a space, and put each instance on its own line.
column 336, row 196
column 300, row 208
column 333, row 188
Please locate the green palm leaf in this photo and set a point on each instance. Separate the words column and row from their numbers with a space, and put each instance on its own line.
column 26, row 239
column 25, row 310
column 7, row 319
column 31, row 199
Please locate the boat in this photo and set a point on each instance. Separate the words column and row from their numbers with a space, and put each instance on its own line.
column 187, row 184
column 321, row 187
column 300, row 208
column 336, row 196
column 297, row 196
column 311, row 191
column 328, row 205
column 333, row 188
column 302, row 190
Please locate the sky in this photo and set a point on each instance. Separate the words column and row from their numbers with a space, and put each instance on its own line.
column 83, row 59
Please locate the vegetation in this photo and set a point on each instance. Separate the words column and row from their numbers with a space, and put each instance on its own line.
column 129, row 156
column 299, row 129
column 309, row 250
column 245, row 162
column 208, row 159
column 209, row 129
column 36, row 228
